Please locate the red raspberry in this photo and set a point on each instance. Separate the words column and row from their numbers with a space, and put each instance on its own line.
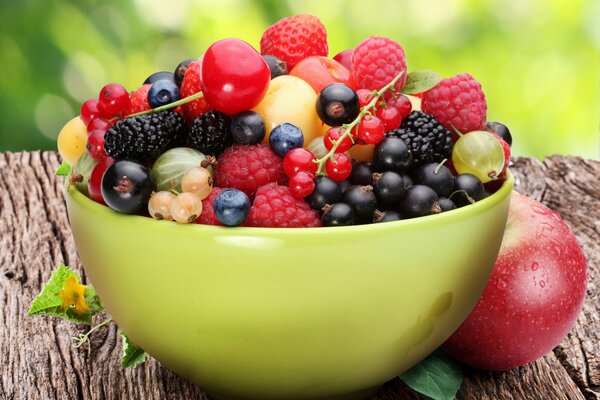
column 190, row 85
column 249, row 167
column 139, row 100
column 208, row 216
column 294, row 38
column 274, row 206
column 458, row 101
column 376, row 61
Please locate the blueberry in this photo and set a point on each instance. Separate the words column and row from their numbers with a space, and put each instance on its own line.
column 467, row 189
column 231, row 207
column 277, row 66
column 162, row 92
column 418, row 201
column 327, row 191
column 337, row 104
column 158, row 76
column 181, row 70
column 338, row 214
column 285, row 137
column 436, row 176
column 127, row 186
column 248, row 127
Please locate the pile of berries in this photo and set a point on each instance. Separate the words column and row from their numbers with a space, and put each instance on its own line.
column 289, row 137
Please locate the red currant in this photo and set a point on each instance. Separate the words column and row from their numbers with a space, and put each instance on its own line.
column 99, row 124
column 371, row 130
column 95, row 181
column 89, row 110
column 298, row 160
column 95, row 145
column 340, row 168
column 390, row 117
column 364, row 97
column 113, row 99
column 333, row 135
column 235, row 77
column 402, row 104
column 302, row 184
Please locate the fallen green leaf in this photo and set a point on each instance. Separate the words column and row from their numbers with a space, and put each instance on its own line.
column 132, row 355
column 420, row 81
column 438, row 377
column 63, row 170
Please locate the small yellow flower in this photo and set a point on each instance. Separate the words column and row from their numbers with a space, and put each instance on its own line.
column 73, row 295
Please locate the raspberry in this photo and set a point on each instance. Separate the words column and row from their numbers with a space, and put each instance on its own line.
column 274, row 206
column 249, row 167
column 294, row 38
column 208, row 216
column 192, row 84
column 376, row 61
column 139, row 100
column 458, row 101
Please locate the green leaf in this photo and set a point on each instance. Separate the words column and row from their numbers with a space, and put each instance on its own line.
column 438, row 377
column 49, row 303
column 63, row 170
column 420, row 81
column 132, row 355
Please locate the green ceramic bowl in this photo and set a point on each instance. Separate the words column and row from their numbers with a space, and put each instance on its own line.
column 316, row 313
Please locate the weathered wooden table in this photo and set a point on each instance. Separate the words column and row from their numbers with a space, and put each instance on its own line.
column 38, row 361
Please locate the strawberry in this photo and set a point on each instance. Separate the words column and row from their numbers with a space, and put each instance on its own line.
column 139, row 100
column 190, row 85
column 294, row 38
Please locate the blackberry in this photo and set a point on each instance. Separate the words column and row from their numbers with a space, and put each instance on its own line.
column 427, row 139
column 211, row 133
column 143, row 138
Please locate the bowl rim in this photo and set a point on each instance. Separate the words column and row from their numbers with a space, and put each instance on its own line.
column 406, row 224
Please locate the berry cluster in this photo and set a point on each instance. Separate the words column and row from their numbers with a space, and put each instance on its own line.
column 289, row 137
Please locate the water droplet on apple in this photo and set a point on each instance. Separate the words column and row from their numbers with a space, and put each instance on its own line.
column 542, row 284
column 534, row 266
column 502, row 284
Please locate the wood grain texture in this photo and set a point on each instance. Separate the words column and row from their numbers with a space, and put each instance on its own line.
column 37, row 360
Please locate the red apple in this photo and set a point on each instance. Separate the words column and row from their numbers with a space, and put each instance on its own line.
column 344, row 58
column 533, row 297
column 321, row 71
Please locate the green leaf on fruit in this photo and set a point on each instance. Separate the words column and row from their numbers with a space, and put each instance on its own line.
column 48, row 302
column 63, row 170
column 420, row 81
column 438, row 377
column 132, row 355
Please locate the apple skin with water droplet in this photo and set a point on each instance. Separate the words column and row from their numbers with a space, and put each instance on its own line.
column 533, row 297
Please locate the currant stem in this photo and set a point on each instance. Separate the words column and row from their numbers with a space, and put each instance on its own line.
column 177, row 103
column 78, row 341
column 377, row 94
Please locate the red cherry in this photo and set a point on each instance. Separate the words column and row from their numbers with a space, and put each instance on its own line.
column 297, row 160
column 235, row 77
column 95, row 145
column 89, row 110
column 95, row 181
column 390, row 116
column 99, row 124
column 340, row 168
column 364, row 96
column 302, row 184
column 345, row 58
column 371, row 130
column 402, row 103
column 333, row 135
column 113, row 99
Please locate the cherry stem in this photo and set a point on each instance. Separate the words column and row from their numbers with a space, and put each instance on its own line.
column 377, row 94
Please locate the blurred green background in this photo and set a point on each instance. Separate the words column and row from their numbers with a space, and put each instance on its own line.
column 538, row 60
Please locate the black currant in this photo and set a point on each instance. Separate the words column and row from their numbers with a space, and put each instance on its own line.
column 337, row 104
column 388, row 187
column 392, row 154
column 158, row 76
column 276, row 66
column 363, row 202
column 436, row 176
column 344, row 185
column 408, row 181
column 338, row 214
column 127, row 186
column 248, row 127
column 327, row 191
column 361, row 174
column 500, row 130
column 386, row 216
column 181, row 70
column 467, row 190
column 446, row 204
column 418, row 201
